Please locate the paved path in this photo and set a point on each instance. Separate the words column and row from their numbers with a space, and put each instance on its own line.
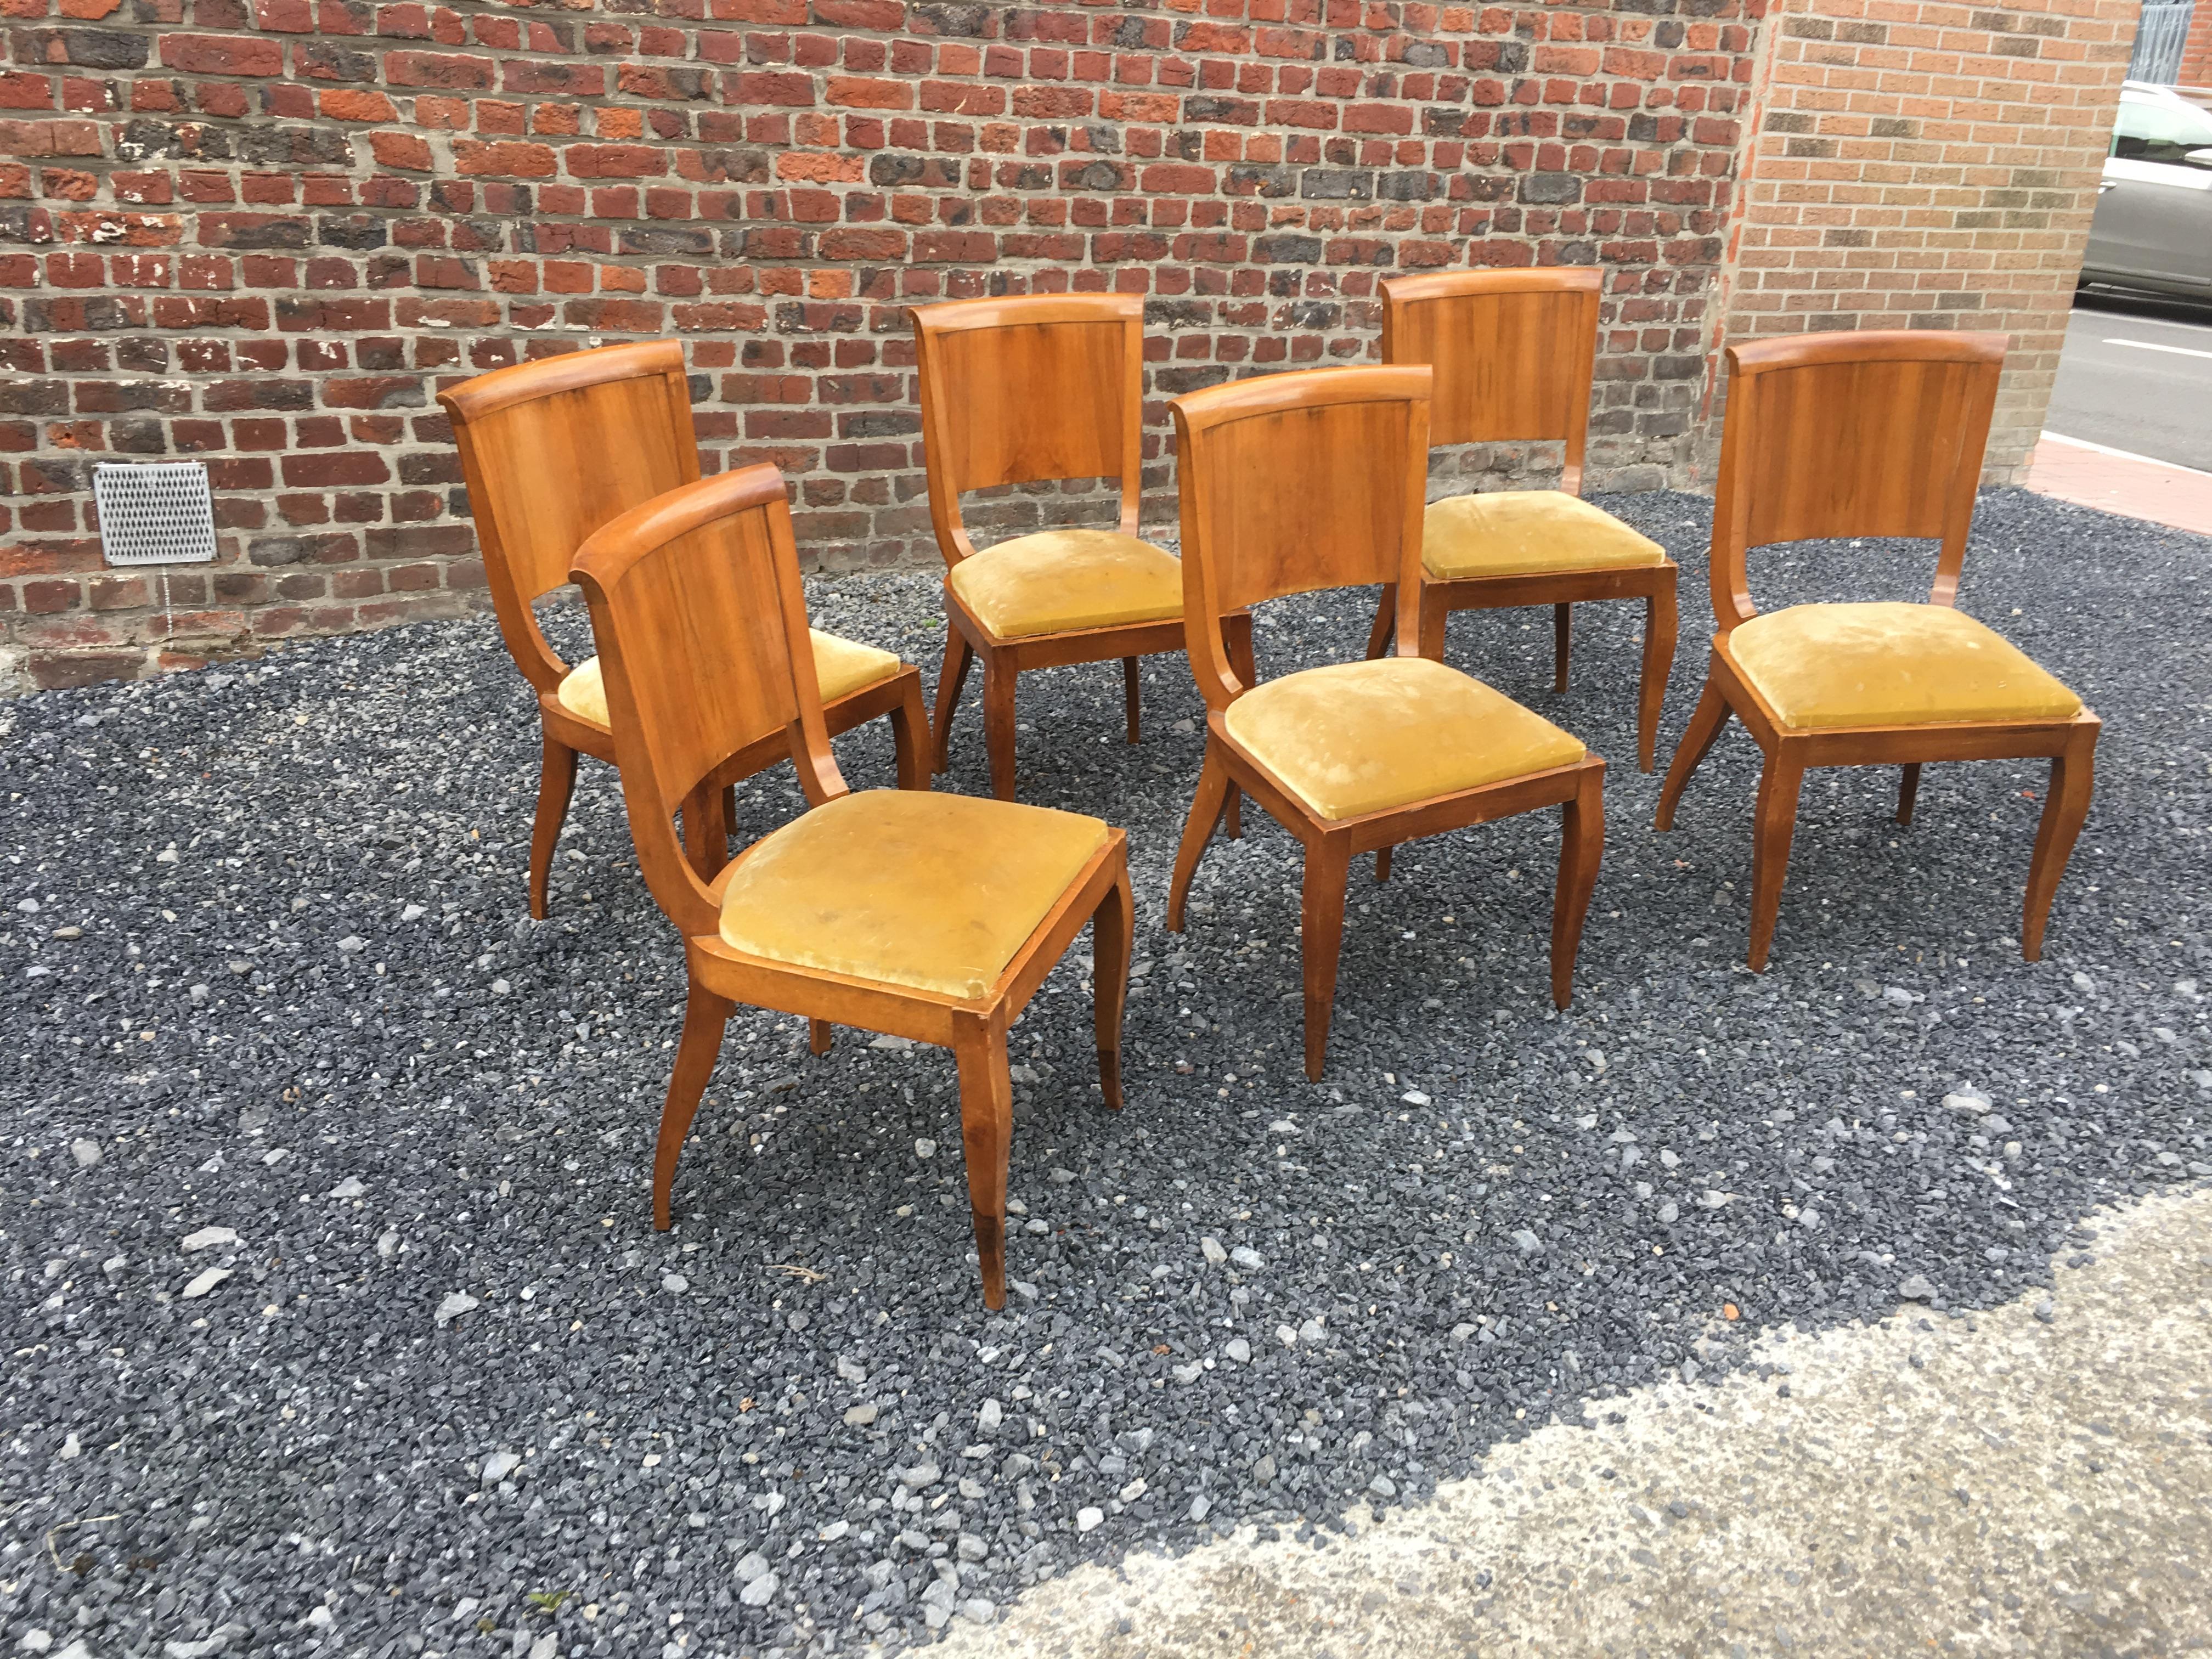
column 2034, row 1479
column 2114, row 481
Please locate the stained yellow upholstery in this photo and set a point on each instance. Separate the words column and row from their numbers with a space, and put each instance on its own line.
column 1510, row 533
column 1060, row 579
column 1360, row 737
column 934, row 891
column 843, row 666
column 1888, row 663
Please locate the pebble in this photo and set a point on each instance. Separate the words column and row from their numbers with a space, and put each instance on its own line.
column 1915, row 1287
column 1238, row 1349
column 204, row 1281
column 859, row 1417
column 1089, row 1519
column 208, row 1238
column 86, row 1152
column 925, row 1148
column 1526, row 1241
column 349, row 1187
column 759, row 1592
column 675, row 1283
column 1211, row 1249
column 920, row 1475
column 1247, row 1258
column 456, row 1304
column 499, row 1466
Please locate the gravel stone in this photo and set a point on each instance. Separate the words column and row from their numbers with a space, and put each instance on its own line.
column 208, row 1238
column 204, row 1281
column 378, row 788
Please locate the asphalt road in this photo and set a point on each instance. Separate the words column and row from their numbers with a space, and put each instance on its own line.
column 2137, row 375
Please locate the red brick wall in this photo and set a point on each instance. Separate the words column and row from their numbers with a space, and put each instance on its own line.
column 1929, row 164
column 2196, row 50
column 263, row 232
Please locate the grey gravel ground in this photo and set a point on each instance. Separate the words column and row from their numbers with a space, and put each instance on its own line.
column 455, row 1396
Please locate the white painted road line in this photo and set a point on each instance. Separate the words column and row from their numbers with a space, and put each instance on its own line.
column 2051, row 437
column 2146, row 345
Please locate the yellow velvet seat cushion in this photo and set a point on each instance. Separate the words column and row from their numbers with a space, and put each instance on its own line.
column 1060, row 579
column 1511, row 532
column 1362, row 736
column 933, row 891
column 843, row 666
column 1890, row 664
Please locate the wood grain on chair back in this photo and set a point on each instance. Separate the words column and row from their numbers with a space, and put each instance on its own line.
column 1028, row 388
column 700, row 622
column 1292, row 483
column 552, row 450
column 1878, row 433
column 1513, row 353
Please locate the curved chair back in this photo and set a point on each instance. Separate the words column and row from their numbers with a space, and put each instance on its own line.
column 700, row 617
column 553, row 449
column 1873, row 433
column 1514, row 353
column 1291, row 482
column 1025, row 389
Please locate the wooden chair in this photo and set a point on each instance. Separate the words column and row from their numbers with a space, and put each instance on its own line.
column 1292, row 483
column 550, row 451
column 1514, row 353
column 1018, row 390
column 928, row 916
column 1873, row 433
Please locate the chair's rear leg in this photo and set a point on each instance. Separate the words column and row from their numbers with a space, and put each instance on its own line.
column 1702, row 731
column 1213, row 788
column 1129, row 697
column 1908, row 790
column 1386, row 618
column 950, row 679
column 1113, row 941
column 1563, row 632
column 557, row 782
column 1582, row 844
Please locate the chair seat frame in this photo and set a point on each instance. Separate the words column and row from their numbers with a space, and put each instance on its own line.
column 1790, row 751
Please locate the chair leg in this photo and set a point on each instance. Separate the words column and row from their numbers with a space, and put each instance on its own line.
column 1241, row 658
column 556, row 782
column 1386, row 618
column 987, row 1124
column 706, row 831
column 1908, row 791
column 705, row 1014
column 1703, row 731
column 1113, row 941
column 1383, row 863
column 1658, row 663
column 910, row 738
column 1129, row 697
column 950, row 679
column 1213, row 788
column 1321, row 916
column 1582, row 844
column 1779, row 782
column 1563, row 634
column 1433, row 617
column 2065, row 804
column 820, row 1033
column 998, row 724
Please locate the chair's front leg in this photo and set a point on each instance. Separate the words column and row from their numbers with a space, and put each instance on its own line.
column 1131, row 702
column 910, row 736
column 1113, row 941
column 987, row 1121
column 1698, row 740
column 1908, row 791
column 1213, row 786
column 1659, row 625
column 999, row 723
column 1563, row 638
column 556, row 782
column 1322, row 918
column 1386, row 618
column 1780, row 782
column 2065, row 804
column 1582, row 844
column 705, row 1015
column 820, row 1034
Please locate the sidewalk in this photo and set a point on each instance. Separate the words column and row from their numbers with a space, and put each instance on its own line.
column 2114, row 481
column 2034, row 1479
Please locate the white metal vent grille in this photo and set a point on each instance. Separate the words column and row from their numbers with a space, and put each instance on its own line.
column 156, row 514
